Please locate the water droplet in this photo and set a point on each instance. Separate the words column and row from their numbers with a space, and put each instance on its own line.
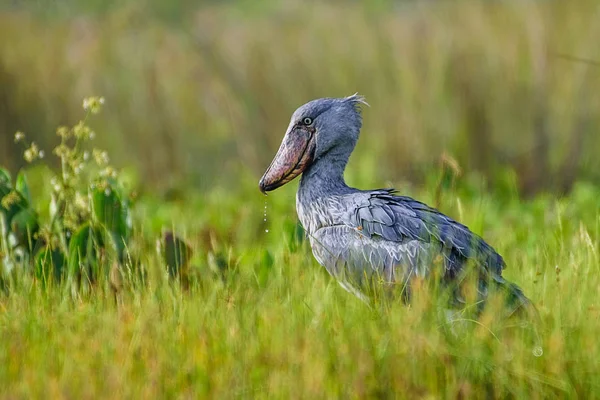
column 265, row 216
column 537, row 351
column 107, row 192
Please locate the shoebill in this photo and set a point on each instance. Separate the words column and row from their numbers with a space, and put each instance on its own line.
column 359, row 235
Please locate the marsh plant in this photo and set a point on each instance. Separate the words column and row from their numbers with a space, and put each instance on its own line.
column 89, row 226
column 88, row 222
column 262, row 319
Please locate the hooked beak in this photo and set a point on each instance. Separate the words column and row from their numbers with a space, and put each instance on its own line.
column 294, row 155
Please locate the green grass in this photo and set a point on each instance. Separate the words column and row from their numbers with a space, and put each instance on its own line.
column 197, row 100
column 260, row 318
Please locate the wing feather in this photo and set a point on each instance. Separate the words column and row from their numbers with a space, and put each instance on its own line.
column 402, row 219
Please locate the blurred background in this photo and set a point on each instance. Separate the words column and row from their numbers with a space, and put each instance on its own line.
column 201, row 92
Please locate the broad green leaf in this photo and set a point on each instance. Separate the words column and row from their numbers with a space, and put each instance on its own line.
column 50, row 265
column 84, row 250
column 177, row 254
column 5, row 179
column 24, row 225
column 5, row 184
column 112, row 213
column 22, row 186
column 12, row 203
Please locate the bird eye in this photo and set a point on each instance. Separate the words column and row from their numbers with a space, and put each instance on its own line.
column 307, row 121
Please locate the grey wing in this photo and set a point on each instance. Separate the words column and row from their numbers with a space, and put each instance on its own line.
column 400, row 219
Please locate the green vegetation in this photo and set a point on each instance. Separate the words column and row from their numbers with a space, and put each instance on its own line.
column 165, row 273
column 244, row 310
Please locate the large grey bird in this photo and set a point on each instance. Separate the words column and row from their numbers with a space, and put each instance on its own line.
column 361, row 234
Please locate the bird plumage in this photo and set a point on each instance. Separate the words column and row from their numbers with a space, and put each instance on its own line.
column 361, row 234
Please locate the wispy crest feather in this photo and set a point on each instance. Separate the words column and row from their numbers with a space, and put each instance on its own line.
column 356, row 100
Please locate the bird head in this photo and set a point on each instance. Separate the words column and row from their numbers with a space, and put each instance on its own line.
column 317, row 128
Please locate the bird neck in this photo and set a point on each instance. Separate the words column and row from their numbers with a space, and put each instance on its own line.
column 324, row 177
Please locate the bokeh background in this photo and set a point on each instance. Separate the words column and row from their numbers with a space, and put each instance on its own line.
column 200, row 92
column 487, row 110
